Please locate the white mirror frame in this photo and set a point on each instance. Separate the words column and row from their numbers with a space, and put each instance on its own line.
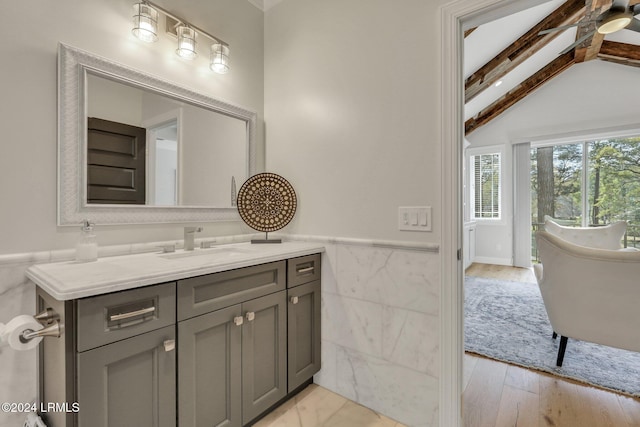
column 73, row 65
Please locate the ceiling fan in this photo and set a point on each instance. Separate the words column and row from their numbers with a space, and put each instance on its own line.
column 619, row 16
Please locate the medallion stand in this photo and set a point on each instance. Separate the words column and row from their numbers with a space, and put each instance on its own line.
column 266, row 239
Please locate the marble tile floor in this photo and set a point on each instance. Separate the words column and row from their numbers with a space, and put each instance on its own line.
column 316, row 406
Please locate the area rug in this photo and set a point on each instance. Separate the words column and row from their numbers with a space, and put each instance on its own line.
column 507, row 321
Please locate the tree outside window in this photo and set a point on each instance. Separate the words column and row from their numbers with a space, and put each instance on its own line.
column 609, row 192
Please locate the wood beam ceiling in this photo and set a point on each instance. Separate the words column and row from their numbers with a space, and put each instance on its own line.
column 523, row 48
column 593, row 47
column 551, row 70
column 620, row 53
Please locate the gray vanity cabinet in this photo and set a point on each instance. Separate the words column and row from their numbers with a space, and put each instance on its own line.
column 126, row 360
column 232, row 360
column 116, row 359
column 210, row 366
column 264, row 354
column 219, row 350
column 129, row 383
column 303, row 330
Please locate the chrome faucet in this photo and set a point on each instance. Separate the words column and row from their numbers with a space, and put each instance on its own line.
column 189, row 233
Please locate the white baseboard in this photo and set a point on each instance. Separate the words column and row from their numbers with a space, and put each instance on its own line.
column 494, row 261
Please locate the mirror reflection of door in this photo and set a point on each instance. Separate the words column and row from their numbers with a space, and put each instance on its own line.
column 212, row 145
column 115, row 163
column 163, row 164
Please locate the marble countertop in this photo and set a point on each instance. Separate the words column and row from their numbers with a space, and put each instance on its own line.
column 71, row 280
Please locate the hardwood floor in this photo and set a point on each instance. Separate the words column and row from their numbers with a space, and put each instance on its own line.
column 502, row 272
column 498, row 394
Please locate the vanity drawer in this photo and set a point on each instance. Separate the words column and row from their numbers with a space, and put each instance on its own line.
column 302, row 270
column 109, row 318
column 203, row 294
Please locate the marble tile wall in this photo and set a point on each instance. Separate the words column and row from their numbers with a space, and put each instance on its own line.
column 18, row 380
column 380, row 329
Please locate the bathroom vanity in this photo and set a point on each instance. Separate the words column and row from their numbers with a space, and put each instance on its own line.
column 208, row 337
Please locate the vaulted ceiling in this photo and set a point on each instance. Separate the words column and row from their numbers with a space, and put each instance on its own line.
column 527, row 60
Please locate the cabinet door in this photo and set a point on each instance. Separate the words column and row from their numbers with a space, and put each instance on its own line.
column 264, row 354
column 129, row 383
column 209, row 369
column 303, row 333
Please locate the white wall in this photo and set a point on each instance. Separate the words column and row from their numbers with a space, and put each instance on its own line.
column 351, row 117
column 351, row 112
column 494, row 237
column 586, row 97
column 28, row 110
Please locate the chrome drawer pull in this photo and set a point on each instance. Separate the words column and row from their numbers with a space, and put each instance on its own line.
column 123, row 316
column 306, row 270
column 294, row 300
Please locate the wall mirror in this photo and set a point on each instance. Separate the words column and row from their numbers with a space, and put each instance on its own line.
column 133, row 148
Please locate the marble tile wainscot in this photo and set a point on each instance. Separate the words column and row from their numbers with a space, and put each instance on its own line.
column 380, row 326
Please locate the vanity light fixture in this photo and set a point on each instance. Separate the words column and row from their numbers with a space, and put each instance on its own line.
column 145, row 22
column 186, row 42
column 145, row 27
column 219, row 58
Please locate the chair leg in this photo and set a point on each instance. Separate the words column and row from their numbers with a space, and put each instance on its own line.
column 561, row 350
column 555, row 335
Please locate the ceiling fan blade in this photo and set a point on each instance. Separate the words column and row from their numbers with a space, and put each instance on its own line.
column 564, row 27
column 577, row 42
column 634, row 25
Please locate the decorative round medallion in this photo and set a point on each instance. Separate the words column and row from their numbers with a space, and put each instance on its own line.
column 266, row 202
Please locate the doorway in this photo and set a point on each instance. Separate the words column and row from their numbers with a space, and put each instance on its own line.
column 454, row 17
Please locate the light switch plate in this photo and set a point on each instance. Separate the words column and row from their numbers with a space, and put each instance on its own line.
column 414, row 218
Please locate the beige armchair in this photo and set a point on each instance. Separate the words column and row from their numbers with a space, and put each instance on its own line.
column 590, row 294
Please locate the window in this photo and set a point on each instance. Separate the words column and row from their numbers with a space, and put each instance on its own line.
column 485, row 186
column 587, row 184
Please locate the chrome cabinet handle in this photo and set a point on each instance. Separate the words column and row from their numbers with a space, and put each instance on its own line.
column 305, row 270
column 122, row 316
column 238, row 320
column 169, row 345
column 294, row 300
column 250, row 316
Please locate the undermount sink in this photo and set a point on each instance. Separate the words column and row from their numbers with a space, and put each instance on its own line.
column 218, row 252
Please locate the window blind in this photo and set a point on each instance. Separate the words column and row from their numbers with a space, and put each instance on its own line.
column 486, row 186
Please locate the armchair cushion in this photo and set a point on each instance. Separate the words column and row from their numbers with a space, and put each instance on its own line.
column 605, row 237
